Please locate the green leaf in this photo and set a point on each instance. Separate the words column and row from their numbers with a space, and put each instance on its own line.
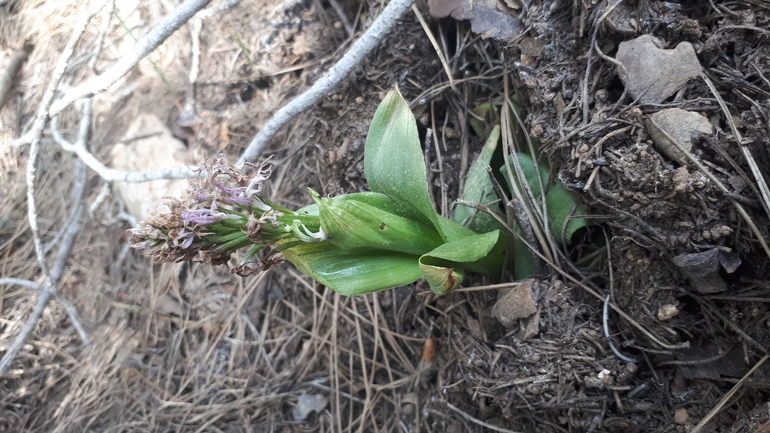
column 355, row 271
column 486, row 113
column 563, row 213
column 478, row 189
column 393, row 160
column 351, row 221
column 483, row 253
column 559, row 201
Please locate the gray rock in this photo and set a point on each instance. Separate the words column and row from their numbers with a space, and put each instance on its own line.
column 681, row 125
column 517, row 304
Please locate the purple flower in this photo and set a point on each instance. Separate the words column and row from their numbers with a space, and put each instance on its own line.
column 185, row 239
column 199, row 216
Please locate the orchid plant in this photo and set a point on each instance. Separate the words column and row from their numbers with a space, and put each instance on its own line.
column 353, row 243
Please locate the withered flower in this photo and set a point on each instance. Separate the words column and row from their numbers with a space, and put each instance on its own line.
column 222, row 213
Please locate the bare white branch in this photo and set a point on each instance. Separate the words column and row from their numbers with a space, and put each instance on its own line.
column 128, row 60
column 29, row 325
column 114, row 175
column 370, row 39
column 37, row 131
column 19, row 282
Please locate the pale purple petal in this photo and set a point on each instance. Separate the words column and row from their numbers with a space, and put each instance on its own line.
column 199, row 216
column 186, row 239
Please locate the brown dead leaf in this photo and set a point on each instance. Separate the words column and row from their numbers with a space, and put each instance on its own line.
column 489, row 18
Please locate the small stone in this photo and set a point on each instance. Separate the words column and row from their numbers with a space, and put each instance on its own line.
column 702, row 269
column 681, row 416
column 475, row 327
column 308, row 403
column 605, row 376
column 517, row 304
column 360, row 100
column 667, row 311
column 530, row 326
column 680, row 125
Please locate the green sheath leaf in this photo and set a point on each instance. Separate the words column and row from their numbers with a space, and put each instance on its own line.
column 483, row 253
column 354, row 272
column 478, row 189
column 559, row 201
column 353, row 223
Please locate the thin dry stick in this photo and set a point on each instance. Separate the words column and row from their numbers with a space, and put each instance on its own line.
column 590, row 57
column 436, row 47
column 100, row 38
column 525, row 197
column 335, row 360
column 196, row 25
column 114, row 175
column 79, row 182
column 370, row 39
column 362, row 359
column 48, row 291
column 37, row 131
column 343, row 18
column 20, row 282
column 728, row 396
column 128, row 60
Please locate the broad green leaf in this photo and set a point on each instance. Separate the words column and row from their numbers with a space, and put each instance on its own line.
column 383, row 202
column 561, row 203
column 393, row 160
column 478, row 189
column 355, row 271
column 483, row 253
column 352, row 223
column 452, row 230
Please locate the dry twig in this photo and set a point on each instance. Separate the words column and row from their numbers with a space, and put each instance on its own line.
column 128, row 60
column 370, row 39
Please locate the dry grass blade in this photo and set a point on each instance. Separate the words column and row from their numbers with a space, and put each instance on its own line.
column 763, row 188
column 436, row 47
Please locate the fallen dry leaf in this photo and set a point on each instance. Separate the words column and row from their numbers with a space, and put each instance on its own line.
column 489, row 18
column 651, row 73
